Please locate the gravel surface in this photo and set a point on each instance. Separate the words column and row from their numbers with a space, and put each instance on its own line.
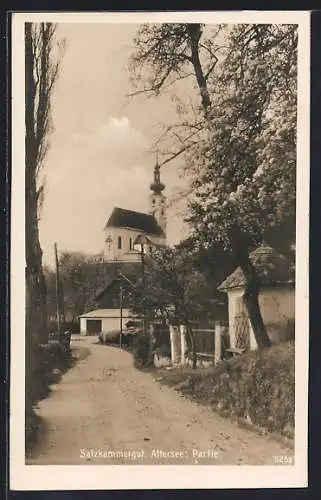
column 104, row 411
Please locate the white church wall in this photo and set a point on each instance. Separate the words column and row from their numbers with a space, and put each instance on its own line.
column 127, row 235
column 124, row 254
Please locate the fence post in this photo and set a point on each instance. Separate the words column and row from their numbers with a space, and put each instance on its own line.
column 218, row 342
column 183, row 343
column 173, row 331
column 151, row 342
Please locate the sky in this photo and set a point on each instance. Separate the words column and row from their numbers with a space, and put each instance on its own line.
column 99, row 156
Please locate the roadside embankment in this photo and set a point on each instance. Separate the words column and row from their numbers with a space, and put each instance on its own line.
column 257, row 389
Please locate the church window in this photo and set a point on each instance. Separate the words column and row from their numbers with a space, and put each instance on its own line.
column 130, row 244
column 119, row 242
column 162, row 211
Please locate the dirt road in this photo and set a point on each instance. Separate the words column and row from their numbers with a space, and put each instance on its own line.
column 104, row 411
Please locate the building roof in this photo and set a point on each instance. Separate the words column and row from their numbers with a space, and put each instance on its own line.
column 272, row 268
column 131, row 270
column 97, row 313
column 121, row 217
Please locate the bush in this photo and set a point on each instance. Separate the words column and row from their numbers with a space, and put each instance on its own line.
column 44, row 360
column 142, row 351
column 112, row 337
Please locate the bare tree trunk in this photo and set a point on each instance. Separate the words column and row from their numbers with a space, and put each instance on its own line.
column 251, row 301
column 194, row 31
column 251, row 288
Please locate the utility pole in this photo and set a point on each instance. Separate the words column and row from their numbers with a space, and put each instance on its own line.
column 144, row 288
column 61, row 320
column 57, row 292
column 121, row 314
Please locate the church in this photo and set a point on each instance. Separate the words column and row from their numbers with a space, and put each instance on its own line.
column 127, row 233
column 125, row 226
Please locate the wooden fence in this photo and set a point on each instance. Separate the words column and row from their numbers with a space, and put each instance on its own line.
column 209, row 344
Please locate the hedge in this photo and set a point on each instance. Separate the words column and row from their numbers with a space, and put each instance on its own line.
column 257, row 387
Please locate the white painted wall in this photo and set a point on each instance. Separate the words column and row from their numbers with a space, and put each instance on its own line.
column 110, row 320
column 277, row 304
column 158, row 209
column 277, row 307
column 234, row 296
column 83, row 329
column 111, row 250
column 175, row 338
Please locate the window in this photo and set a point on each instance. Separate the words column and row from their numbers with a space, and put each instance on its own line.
column 130, row 244
column 119, row 242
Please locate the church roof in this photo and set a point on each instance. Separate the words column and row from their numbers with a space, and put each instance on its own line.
column 121, row 217
column 272, row 268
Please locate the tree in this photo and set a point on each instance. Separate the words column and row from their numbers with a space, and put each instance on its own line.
column 81, row 278
column 176, row 290
column 166, row 51
column 42, row 60
column 254, row 80
column 247, row 163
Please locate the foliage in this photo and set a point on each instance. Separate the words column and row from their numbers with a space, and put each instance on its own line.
column 141, row 351
column 175, row 288
column 166, row 52
column 44, row 52
column 242, row 156
column 81, row 277
column 246, row 163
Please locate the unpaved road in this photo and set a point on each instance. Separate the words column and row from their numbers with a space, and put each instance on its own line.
column 104, row 411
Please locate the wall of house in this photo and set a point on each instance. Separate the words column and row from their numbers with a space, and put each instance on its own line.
column 124, row 254
column 278, row 310
column 277, row 306
column 83, row 326
column 110, row 321
column 235, row 305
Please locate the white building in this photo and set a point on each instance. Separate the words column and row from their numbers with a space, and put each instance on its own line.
column 124, row 226
column 276, row 299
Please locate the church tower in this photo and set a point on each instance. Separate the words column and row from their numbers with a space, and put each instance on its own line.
column 157, row 199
